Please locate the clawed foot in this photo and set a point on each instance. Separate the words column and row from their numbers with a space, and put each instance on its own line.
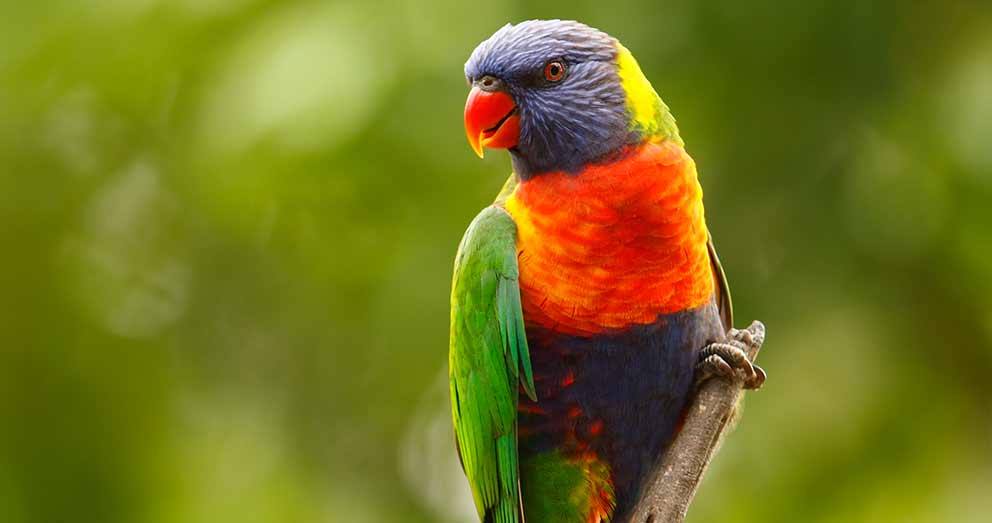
column 729, row 358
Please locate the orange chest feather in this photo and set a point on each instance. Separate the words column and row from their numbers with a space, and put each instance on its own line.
column 616, row 245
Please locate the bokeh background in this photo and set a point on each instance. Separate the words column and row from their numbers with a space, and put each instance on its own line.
column 227, row 226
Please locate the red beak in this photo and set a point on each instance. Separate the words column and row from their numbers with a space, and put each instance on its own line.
column 491, row 120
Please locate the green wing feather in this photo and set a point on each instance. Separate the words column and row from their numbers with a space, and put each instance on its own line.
column 488, row 360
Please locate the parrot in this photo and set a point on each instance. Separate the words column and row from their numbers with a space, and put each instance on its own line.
column 587, row 300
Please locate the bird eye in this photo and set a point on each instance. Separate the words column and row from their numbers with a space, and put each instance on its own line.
column 554, row 71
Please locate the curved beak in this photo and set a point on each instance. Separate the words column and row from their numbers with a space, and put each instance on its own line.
column 491, row 120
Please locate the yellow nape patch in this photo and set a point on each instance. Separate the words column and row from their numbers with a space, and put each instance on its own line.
column 642, row 100
column 648, row 112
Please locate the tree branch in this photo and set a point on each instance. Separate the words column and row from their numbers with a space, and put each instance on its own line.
column 676, row 477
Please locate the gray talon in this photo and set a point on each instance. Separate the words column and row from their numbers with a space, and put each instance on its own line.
column 713, row 365
column 759, row 380
column 729, row 359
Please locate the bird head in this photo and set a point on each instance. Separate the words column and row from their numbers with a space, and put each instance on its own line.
column 559, row 94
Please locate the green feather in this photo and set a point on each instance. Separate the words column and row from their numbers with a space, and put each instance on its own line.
column 488, row 360
column 512, row 318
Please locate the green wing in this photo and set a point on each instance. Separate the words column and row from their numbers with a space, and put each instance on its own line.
column 488, row 360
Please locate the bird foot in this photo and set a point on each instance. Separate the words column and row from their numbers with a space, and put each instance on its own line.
column 733, row 357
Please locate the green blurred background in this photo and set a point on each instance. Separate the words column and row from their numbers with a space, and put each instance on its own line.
column 227, row 226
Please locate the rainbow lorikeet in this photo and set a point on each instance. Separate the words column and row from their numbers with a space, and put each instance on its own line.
column 588, row 298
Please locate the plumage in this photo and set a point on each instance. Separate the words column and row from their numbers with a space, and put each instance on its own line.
column 582, row 297
column 489, row 356
column 615, row 245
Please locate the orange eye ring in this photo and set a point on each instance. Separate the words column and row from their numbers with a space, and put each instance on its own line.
column 554, row 71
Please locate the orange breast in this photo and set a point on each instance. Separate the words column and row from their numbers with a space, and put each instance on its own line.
column 616, row 245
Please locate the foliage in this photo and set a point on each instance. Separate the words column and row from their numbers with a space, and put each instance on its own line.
column 228, row 229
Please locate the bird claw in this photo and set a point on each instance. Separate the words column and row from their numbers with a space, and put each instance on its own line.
column 729, row 359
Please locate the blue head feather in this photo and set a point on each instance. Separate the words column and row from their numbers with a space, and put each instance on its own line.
column 567, row 124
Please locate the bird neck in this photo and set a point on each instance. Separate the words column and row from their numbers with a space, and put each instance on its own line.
column 649, row 116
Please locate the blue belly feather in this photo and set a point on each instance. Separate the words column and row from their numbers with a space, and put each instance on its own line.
column 619, row 394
